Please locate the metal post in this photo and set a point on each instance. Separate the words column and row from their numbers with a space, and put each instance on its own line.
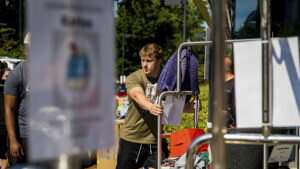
column 123, row 50
column 266, row 48
column 184, row 20
column 297, row 150
column 266, row 51
column 20, row 21
column 69, row 162
column 159, row 149
column 207, row 76
column 196, row 113
column 123, row 53
column 265, row 156
column 219, row 27
column 63, row 162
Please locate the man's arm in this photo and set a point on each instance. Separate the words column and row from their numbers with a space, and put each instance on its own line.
column 15, row 147
column 138, row 95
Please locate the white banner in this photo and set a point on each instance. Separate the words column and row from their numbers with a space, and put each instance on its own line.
column 286, row 82
column 71, row 76
column 248, row 83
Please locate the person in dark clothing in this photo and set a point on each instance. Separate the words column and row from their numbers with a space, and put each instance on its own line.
column 237, row 156
column 3, row 132
column 229, row 94
column 16, row 101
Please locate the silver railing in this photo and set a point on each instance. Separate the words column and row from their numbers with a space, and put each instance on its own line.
column 217, row 137
column 178, row 91
column 254, row 139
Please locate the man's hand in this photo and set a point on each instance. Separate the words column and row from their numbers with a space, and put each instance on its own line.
column 138, row 95
column 190, row 107
column 155, row 109
column 199, row 105
column 16, row 149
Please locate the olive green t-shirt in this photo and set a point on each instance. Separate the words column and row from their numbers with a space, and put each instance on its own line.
column 140, row 126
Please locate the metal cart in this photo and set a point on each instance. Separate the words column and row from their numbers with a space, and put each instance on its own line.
column 217, row 138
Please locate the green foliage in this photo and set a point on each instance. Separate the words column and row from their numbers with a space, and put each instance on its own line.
column 12, row 13
column 8, row 46
column 149, row 21
column 201, row 74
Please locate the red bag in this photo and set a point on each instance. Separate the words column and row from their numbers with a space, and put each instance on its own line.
column 181, row 140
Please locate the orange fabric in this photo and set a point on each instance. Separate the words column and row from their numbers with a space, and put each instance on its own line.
column 181, row 140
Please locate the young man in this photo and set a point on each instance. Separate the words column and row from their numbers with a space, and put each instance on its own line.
column 137, row 147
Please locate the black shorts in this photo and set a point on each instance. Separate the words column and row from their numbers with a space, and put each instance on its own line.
column 134, row 155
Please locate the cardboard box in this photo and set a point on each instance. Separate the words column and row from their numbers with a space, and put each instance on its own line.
column 107, row 157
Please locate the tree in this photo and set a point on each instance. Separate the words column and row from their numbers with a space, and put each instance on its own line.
column 12, row 28
column 9, row 46
column 149, row 21
column 12, row 14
